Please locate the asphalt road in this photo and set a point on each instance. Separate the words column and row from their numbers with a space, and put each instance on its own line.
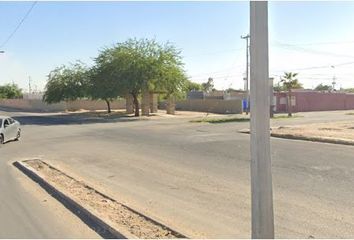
column 191, row 176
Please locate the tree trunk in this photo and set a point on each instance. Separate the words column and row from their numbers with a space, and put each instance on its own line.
column 136, row 105
column 289, row 104
column 108, row 106
column 153, row 102
column 129, row 104
column 171, row 106
column 145, row 102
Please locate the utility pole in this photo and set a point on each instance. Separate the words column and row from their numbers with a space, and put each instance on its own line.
column 29, row 86
column 246, row 37
column 261, row 175
column 334, row 79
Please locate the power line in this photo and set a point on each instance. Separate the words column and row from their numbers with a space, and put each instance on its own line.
column 319, row 43
column 228, row 51
column 220, row 77
column 221, row 71
column 319, row 67
column 18, row 25
column 313, row 51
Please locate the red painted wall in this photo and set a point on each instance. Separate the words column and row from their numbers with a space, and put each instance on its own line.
column 317, row 101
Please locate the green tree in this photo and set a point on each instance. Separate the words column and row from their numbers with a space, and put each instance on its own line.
column 173, row 82
column 278, row 88
column 104, row 82
column 137, row 65
column 192, row 86
column 322, row 87
column 290, row 82
column 10, row 91
column 349, row 90
column 209, row 85
column 67, row 83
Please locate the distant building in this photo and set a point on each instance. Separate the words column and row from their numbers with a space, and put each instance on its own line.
column 222, row 95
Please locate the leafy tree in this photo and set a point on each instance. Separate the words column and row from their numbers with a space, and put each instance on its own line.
column 10, row 91
column 172, row 79
column 230, row 89
column 209, row 85
column 137, row 65
column 67, row 83
column 290, row 82
column 192, row 86
column 104, row 84
column 129, row 67
column 126, row 64
column 278, row 88
column 349, row 90
column 322, row 87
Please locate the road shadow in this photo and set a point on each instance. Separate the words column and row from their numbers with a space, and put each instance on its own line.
column 73, row 119
column 10, row 109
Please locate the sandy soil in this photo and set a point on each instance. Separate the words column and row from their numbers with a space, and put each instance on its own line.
column 106, row 208
column 334, row 130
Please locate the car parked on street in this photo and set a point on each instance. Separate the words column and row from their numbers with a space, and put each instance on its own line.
column 10, row 129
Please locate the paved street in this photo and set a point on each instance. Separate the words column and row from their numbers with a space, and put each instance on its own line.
column 193, row 177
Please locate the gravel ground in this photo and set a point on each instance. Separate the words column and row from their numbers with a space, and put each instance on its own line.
column 106, row 208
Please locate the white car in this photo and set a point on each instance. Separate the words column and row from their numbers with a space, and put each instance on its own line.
column 9, row 129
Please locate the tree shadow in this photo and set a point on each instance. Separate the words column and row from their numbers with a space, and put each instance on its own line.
column 73, row 119
column 11, row 109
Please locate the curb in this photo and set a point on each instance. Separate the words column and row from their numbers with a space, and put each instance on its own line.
column 304, row 138
column 314, row 139
column 95, row 223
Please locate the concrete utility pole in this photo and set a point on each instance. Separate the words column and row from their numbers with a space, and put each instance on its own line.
column 261, row 175
column 246, row 37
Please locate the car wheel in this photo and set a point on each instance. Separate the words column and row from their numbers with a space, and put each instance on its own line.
column 18, row 135
column 1, row 140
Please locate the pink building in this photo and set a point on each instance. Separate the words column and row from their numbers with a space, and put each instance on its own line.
column 307, row 101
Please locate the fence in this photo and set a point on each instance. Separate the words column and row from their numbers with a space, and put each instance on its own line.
column 39, row 105
column 315, row 101
column 208, row 105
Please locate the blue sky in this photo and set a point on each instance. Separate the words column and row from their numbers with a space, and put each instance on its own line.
column 302, row 35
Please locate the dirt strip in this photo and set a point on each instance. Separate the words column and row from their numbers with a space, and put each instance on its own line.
column 120, row 216
column 333, row 132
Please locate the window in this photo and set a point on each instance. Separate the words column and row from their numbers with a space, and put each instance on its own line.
column 6, row 123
